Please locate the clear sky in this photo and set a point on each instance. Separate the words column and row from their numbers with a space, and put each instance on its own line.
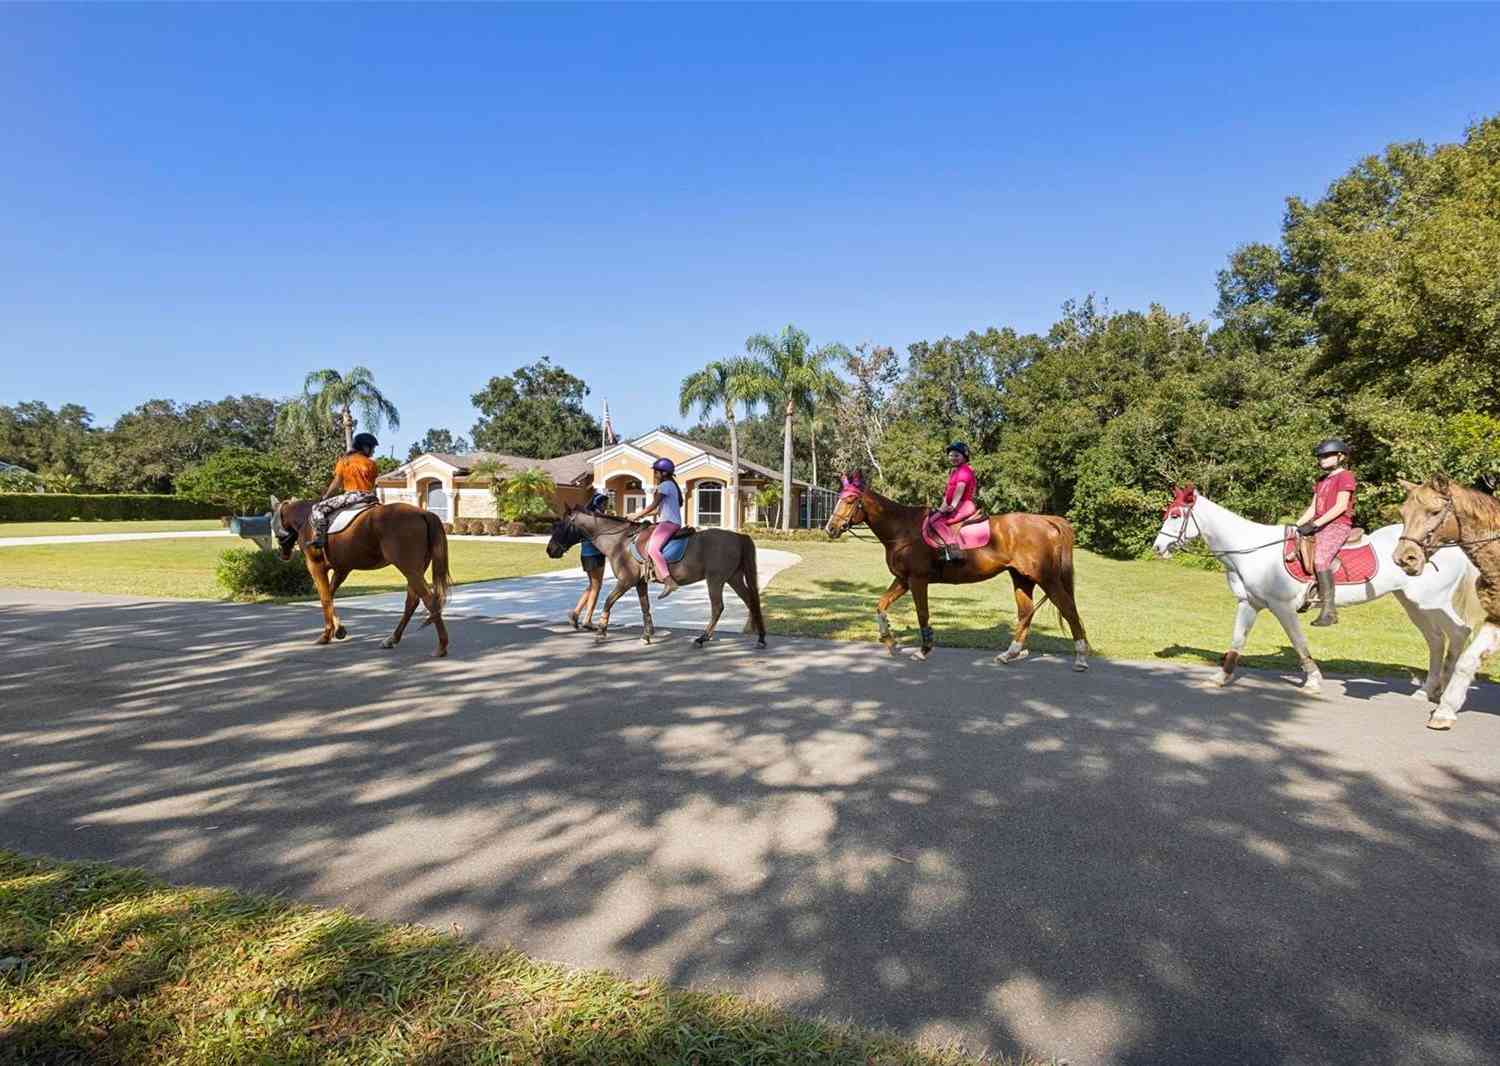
column 209, row 199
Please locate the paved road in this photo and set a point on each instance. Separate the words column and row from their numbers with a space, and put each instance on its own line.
column 1120, row 867
column 103, row 538
column 549, row 597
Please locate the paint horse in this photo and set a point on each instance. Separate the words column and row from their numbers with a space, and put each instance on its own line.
column 1262, row 577
column 716, row 556
column 386, row 534
column 1436, row 519
column 1033, row 549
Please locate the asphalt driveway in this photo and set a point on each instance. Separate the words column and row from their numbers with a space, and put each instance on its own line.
column 1119, row 867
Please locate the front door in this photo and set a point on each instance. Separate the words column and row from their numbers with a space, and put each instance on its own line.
column 634, row 501
column 437, row 502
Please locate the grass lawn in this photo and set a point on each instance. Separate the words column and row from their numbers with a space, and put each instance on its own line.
column 72, row 529
column 1133, row 610
column 102, row 964
column 185, row 568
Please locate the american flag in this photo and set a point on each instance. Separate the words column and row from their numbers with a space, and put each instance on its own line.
column 609, row 429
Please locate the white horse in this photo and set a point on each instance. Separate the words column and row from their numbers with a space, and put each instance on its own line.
column 1438, row 600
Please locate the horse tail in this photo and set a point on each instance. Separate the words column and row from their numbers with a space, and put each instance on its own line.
column 437, row 551
column 1064, row 567
column 1466, row 596
column 752, row 581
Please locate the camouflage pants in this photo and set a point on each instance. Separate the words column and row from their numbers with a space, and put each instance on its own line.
column 323, row 510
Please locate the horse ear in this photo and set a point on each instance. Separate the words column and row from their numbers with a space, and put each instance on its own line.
column 1190, row 491
column 1441, row 483
column 1408, row 486
column 275, row 504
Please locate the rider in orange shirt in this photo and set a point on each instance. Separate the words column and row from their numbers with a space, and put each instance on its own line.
column 353, row 484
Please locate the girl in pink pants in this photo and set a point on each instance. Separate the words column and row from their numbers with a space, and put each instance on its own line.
column 667, row 504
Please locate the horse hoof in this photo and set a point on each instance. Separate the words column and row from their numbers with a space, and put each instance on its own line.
column 698, row 642
column 340, row 632
column 891, row 648
column 922, row 654
column 1437, row 721
column 1423, row 696
column 761, row 643
column 387, row 643
column 1223, row 680
column 1005, row 658
column 1079, row 666
column 574, row 619
column 325, row 639
column 441, row 653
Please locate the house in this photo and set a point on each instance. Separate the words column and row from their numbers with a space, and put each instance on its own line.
column 446, row 485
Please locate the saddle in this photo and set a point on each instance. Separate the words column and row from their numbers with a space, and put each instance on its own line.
column 672, row 551
column 1355, row 564
column 342, row 518
column 973, row 532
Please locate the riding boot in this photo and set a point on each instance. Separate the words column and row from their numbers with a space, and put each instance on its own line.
column 320, row 540
column 1330, row 615
column 668, row 586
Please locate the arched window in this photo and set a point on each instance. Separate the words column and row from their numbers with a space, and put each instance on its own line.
column 710, row 504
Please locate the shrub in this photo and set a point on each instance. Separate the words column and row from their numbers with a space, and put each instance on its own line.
column 256, row 572
column 19, row 481
column 240, row 480
column 461, row 526
column 760, row 532
column 61, row 507
column 492, row 527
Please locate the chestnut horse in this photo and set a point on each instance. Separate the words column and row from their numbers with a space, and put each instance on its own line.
column 1440, row 513
column 1033, row 549
column 388, row 534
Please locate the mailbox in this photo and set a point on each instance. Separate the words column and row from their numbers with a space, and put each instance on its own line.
column 253, row 527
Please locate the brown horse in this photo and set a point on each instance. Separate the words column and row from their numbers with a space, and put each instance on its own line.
column 1440, row 513
column 388, row 534
column 1033, row 549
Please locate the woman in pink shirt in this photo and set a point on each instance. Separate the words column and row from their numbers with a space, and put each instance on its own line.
column 1329, row 518
column 958, row 501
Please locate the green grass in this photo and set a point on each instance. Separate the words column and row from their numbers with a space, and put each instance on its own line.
column 1135, row 609
column 71, row 529
column 185, row 568
column 106, row 965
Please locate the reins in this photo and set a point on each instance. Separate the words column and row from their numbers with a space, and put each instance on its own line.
column 1182, row 537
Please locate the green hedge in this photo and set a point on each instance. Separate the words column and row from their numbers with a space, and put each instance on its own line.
column 62, row 507
column 760, row 532
column 254, row 572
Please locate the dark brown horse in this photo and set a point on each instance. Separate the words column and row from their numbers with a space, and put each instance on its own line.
column 388, row 534
column 1033, row 549
column 1440, row 513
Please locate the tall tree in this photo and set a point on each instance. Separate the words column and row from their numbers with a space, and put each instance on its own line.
column 441, row 441
column 45, row 441
column 727, row 384
column 537, row 412
column 331, row 398
column 796, row 379
column 860, row 418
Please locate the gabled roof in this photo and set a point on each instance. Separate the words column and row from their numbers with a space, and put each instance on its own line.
column 746, row 466
column 564, row 469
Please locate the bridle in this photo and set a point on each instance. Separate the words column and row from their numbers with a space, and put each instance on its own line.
column 1428, row 544
column 1182, row 537
column 858, row 498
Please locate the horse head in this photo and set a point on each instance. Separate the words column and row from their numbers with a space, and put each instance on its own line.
column 1177, row 525
column 285, row 536
column 565, row 534
column 850, row 509
column 1428, row 521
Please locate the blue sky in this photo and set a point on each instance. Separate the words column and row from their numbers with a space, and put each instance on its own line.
column 208, row 199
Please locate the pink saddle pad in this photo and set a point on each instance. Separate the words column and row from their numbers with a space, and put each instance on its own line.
column 974, row 534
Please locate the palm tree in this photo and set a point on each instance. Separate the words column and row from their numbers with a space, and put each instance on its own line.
column 330, row 398
column 518, row 494
column 797, row 380
column 728, row 382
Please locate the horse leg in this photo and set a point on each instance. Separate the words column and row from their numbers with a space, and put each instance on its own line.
column 411, row 605
column 1025, row 608
column 892, row 594
column 1069, row 608
column 643, row 590
column 417, row 583
column 716, row 603
column 325, row 599
column 1432, row 633
column 1484, row 642
column 621, row 584
column 339, row 632
column 1244, row 621
column 742, row 588
column 1312, row 677
column 919, row 597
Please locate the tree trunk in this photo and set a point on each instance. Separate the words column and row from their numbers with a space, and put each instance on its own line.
column 786, row 469
column 734, row 474
column 814, row 436
column 348, row 430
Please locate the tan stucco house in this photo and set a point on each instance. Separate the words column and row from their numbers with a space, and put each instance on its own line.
column 445, row 485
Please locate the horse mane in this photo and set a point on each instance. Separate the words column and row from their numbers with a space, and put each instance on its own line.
column 1475, row 505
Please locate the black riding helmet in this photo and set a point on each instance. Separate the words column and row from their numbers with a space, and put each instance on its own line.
column 365, row 440
column 1331, row 446
column 598, row 503
column 958, row 446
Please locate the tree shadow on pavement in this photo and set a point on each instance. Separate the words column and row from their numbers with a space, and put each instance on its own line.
column 1124, row 866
